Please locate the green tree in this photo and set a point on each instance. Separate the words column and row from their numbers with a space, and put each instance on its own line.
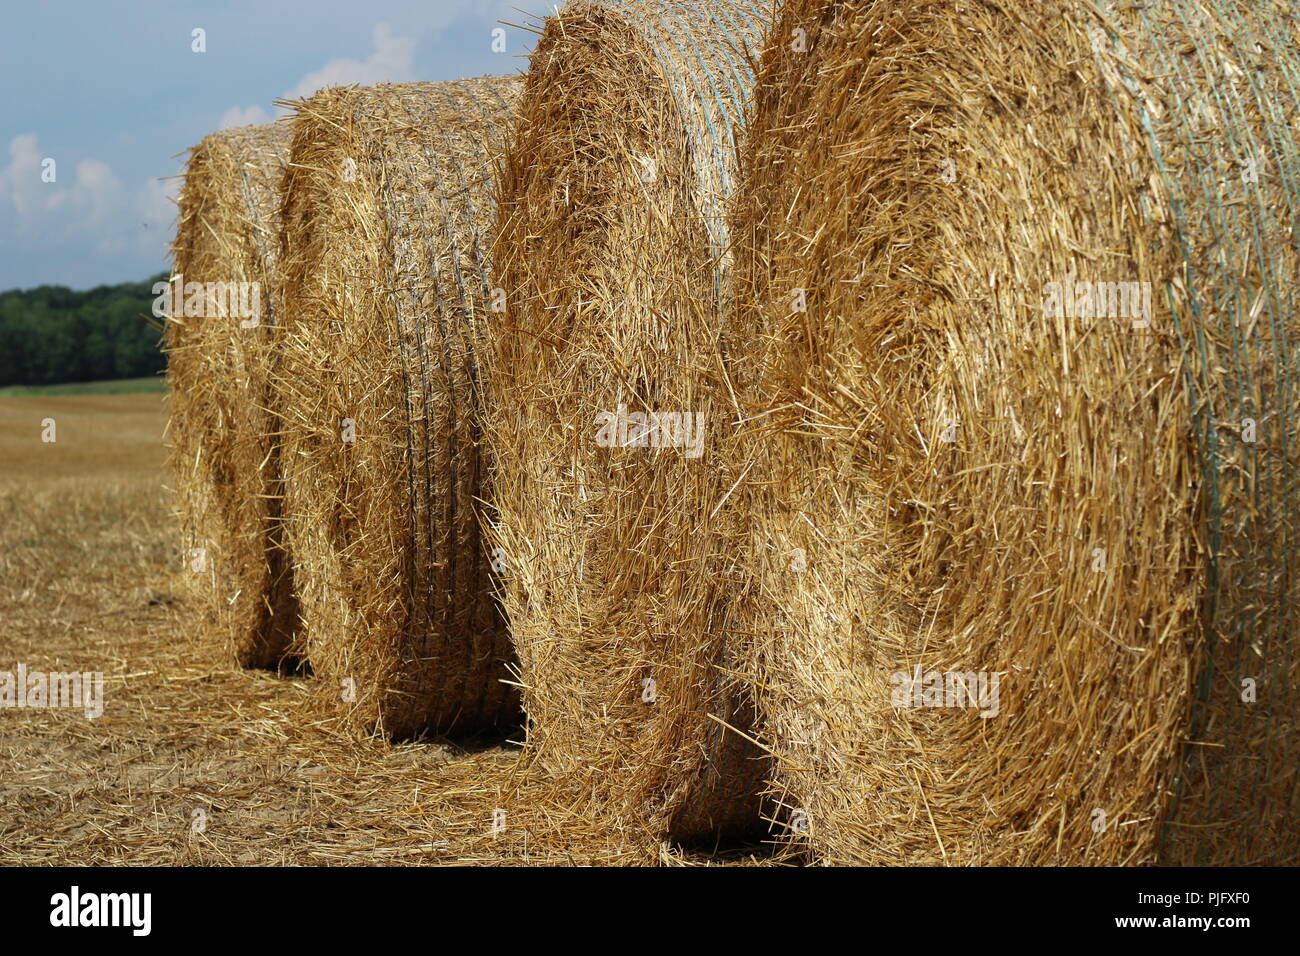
column 52, row 334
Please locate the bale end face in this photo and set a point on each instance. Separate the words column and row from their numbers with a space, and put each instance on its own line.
column 982, row 434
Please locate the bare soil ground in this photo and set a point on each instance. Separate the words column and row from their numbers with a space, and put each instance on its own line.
column 193, row 760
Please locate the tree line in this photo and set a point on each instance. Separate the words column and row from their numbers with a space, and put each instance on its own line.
column 52, row 334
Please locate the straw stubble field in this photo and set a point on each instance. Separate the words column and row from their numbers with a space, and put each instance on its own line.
column 195, row 761
column 911, row 464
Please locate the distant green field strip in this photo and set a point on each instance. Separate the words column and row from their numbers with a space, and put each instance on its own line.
column 154, row 384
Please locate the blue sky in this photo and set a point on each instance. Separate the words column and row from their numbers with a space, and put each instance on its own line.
column 113, row 93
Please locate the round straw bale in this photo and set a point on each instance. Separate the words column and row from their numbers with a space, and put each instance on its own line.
column 983, row 459
column 386, row 199
column 219, row 338
column 605, row 398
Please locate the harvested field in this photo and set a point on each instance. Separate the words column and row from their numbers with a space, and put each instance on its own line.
column 766, row 432
column 90, row 580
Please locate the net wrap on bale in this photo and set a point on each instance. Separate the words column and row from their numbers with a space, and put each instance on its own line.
column 386, row 200
column 605, row 405
column 1018, row 280
column 219, row 338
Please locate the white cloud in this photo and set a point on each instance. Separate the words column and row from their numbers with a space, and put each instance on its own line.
column 21, row 179
column 98, row 194
column 246, row 116
column 157, row 205
column 391, row 62
column 87, row 200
